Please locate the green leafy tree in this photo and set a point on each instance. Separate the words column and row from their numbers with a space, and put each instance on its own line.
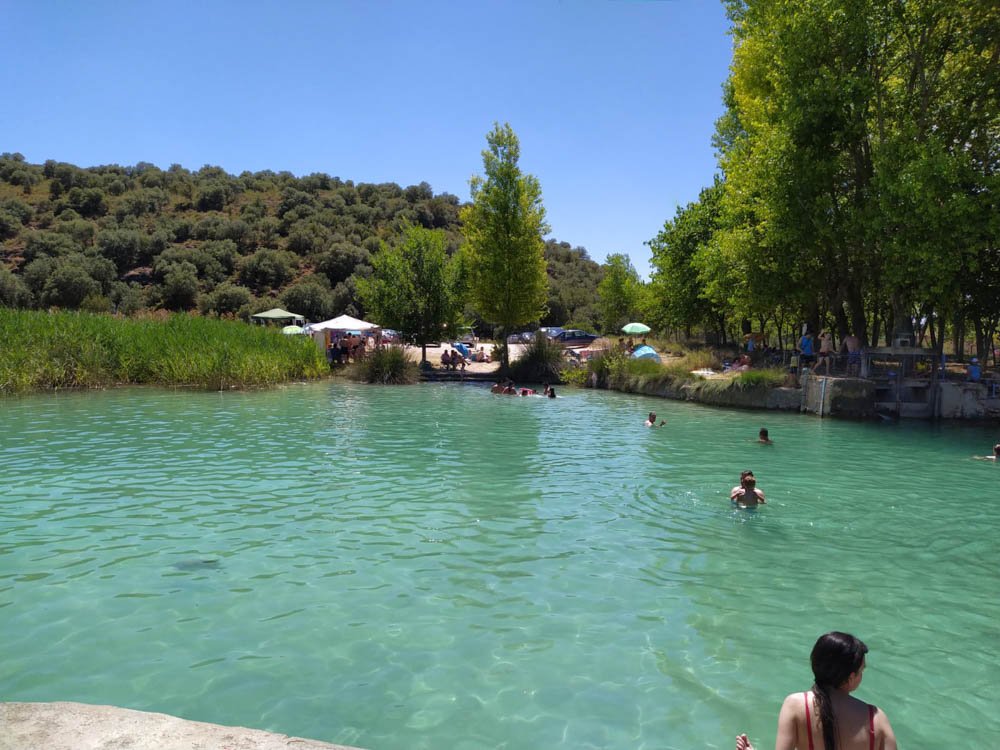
column 68, row 286
column 409, row 287
column 268, row 269
column 180, row 287
column 125, row 247
column 679, row 298
column 226, row 299
column 13, row 291
column 619, row 292
column 309, row 297
column 503, row 229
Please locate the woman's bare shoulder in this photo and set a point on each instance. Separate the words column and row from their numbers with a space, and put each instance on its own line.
column 794, row 703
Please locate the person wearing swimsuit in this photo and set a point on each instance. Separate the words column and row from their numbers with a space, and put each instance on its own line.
column 828, row 717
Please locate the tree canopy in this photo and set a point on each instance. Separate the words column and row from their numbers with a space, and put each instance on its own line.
column 412, row 287
column 503, row 228
column 858, row 156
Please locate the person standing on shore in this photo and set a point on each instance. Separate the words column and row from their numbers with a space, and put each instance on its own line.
column 852, row 345
column 806, row 350
column 825, row 351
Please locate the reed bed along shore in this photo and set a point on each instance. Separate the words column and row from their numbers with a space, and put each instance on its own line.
column 50, row 350
column 617, row 371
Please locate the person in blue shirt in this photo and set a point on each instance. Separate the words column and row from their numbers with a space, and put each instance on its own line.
column 806, row 348
column 974, row 372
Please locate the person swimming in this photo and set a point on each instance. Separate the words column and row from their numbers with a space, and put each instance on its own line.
column 746, row 494
column 651, row 421
column 994, row 457
column 762, row 437
column 842, row 721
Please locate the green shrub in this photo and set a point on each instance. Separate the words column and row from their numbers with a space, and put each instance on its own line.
column 541, row 362
column 388, row 366
column 764, row 378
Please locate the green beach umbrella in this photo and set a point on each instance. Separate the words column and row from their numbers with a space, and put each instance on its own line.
column 636, row 328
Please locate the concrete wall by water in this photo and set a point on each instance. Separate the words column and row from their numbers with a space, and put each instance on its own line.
column 852, row 398
column 966, row 401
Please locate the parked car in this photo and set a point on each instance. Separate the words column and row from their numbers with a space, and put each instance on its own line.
column 551, row 331
column 468, row 336
column 520, row 338
column 574, row 337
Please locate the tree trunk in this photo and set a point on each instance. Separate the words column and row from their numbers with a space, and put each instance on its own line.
column 958, row 336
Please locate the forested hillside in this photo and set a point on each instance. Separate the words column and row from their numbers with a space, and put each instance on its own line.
column 125, row 239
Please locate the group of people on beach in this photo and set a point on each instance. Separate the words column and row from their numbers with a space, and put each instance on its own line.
column 349, row 347
column 453, row 359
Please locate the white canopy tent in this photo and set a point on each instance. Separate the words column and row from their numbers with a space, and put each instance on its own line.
column 343, row 323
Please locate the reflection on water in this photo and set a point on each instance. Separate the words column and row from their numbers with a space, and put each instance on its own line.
column 435, row 566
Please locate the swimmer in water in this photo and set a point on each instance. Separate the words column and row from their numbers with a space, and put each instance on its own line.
column 746, row 494
column 651, row 421
column 994, row 457
column 762, row 437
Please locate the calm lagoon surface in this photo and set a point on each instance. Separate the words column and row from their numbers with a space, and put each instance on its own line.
column 437, row 567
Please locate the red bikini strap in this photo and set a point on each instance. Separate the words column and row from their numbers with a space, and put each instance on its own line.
column 809, row 726
column 871, row 727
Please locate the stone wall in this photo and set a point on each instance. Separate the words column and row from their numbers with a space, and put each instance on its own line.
column 852, row 398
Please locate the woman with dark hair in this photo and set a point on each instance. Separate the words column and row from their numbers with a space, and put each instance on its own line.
column 828, row 717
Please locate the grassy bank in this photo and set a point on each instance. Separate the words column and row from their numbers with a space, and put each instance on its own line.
column 618, row 371
column 42, row 350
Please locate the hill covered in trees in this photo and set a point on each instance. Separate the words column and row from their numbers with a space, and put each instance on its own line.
column 126, row 239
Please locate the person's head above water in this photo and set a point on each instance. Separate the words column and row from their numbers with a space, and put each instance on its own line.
column 996, row 450
column 763, row 434
column 747, row 477
column 652, row 416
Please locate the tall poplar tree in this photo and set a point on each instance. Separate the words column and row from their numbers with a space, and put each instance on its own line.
column 618, row 292
column 503, row 228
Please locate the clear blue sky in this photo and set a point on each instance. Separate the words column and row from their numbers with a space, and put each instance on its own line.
column 614, row 102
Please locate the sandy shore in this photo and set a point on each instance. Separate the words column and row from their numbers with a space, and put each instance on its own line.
column 79, row 726
column 434, row 356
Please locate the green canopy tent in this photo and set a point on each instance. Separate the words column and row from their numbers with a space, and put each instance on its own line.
column 277, row 315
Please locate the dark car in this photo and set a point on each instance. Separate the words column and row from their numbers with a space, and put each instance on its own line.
column 574, row 337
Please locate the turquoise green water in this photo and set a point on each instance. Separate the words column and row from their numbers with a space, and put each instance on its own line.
column 438, row 567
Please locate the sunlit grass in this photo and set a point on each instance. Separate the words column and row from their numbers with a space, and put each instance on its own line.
column 43, row 350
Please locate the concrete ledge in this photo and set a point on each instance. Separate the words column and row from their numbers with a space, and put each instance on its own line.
column 79, row 726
